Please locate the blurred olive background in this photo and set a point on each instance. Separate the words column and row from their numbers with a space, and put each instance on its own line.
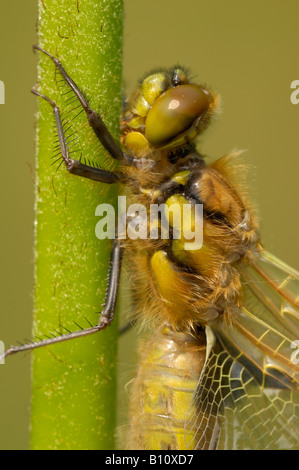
column 247, row 51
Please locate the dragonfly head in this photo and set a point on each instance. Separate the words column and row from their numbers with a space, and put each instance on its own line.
column 166, row 111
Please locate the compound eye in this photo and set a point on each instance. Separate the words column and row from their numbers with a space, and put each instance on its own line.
column 174, row 112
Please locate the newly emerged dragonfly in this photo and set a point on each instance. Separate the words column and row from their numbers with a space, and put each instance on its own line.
column 220, row 370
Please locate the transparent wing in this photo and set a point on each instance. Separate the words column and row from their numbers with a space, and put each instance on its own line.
column 270, row 317
column 248, row 395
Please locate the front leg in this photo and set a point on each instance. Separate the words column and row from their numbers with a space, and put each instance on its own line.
column 75, row 166
column 93, row 117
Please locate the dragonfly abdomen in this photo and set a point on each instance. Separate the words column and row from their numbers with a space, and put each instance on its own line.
column 168, row 372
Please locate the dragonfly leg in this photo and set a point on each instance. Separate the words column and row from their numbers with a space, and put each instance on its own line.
column 106, row 316
column 93, row 117
column 74, row 166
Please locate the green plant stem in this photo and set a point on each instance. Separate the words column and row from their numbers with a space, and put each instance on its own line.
column 74, row 383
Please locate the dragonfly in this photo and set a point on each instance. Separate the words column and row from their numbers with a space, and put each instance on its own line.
column 220, row 367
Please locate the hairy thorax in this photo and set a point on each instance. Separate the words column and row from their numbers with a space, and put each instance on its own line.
column 194, row 286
